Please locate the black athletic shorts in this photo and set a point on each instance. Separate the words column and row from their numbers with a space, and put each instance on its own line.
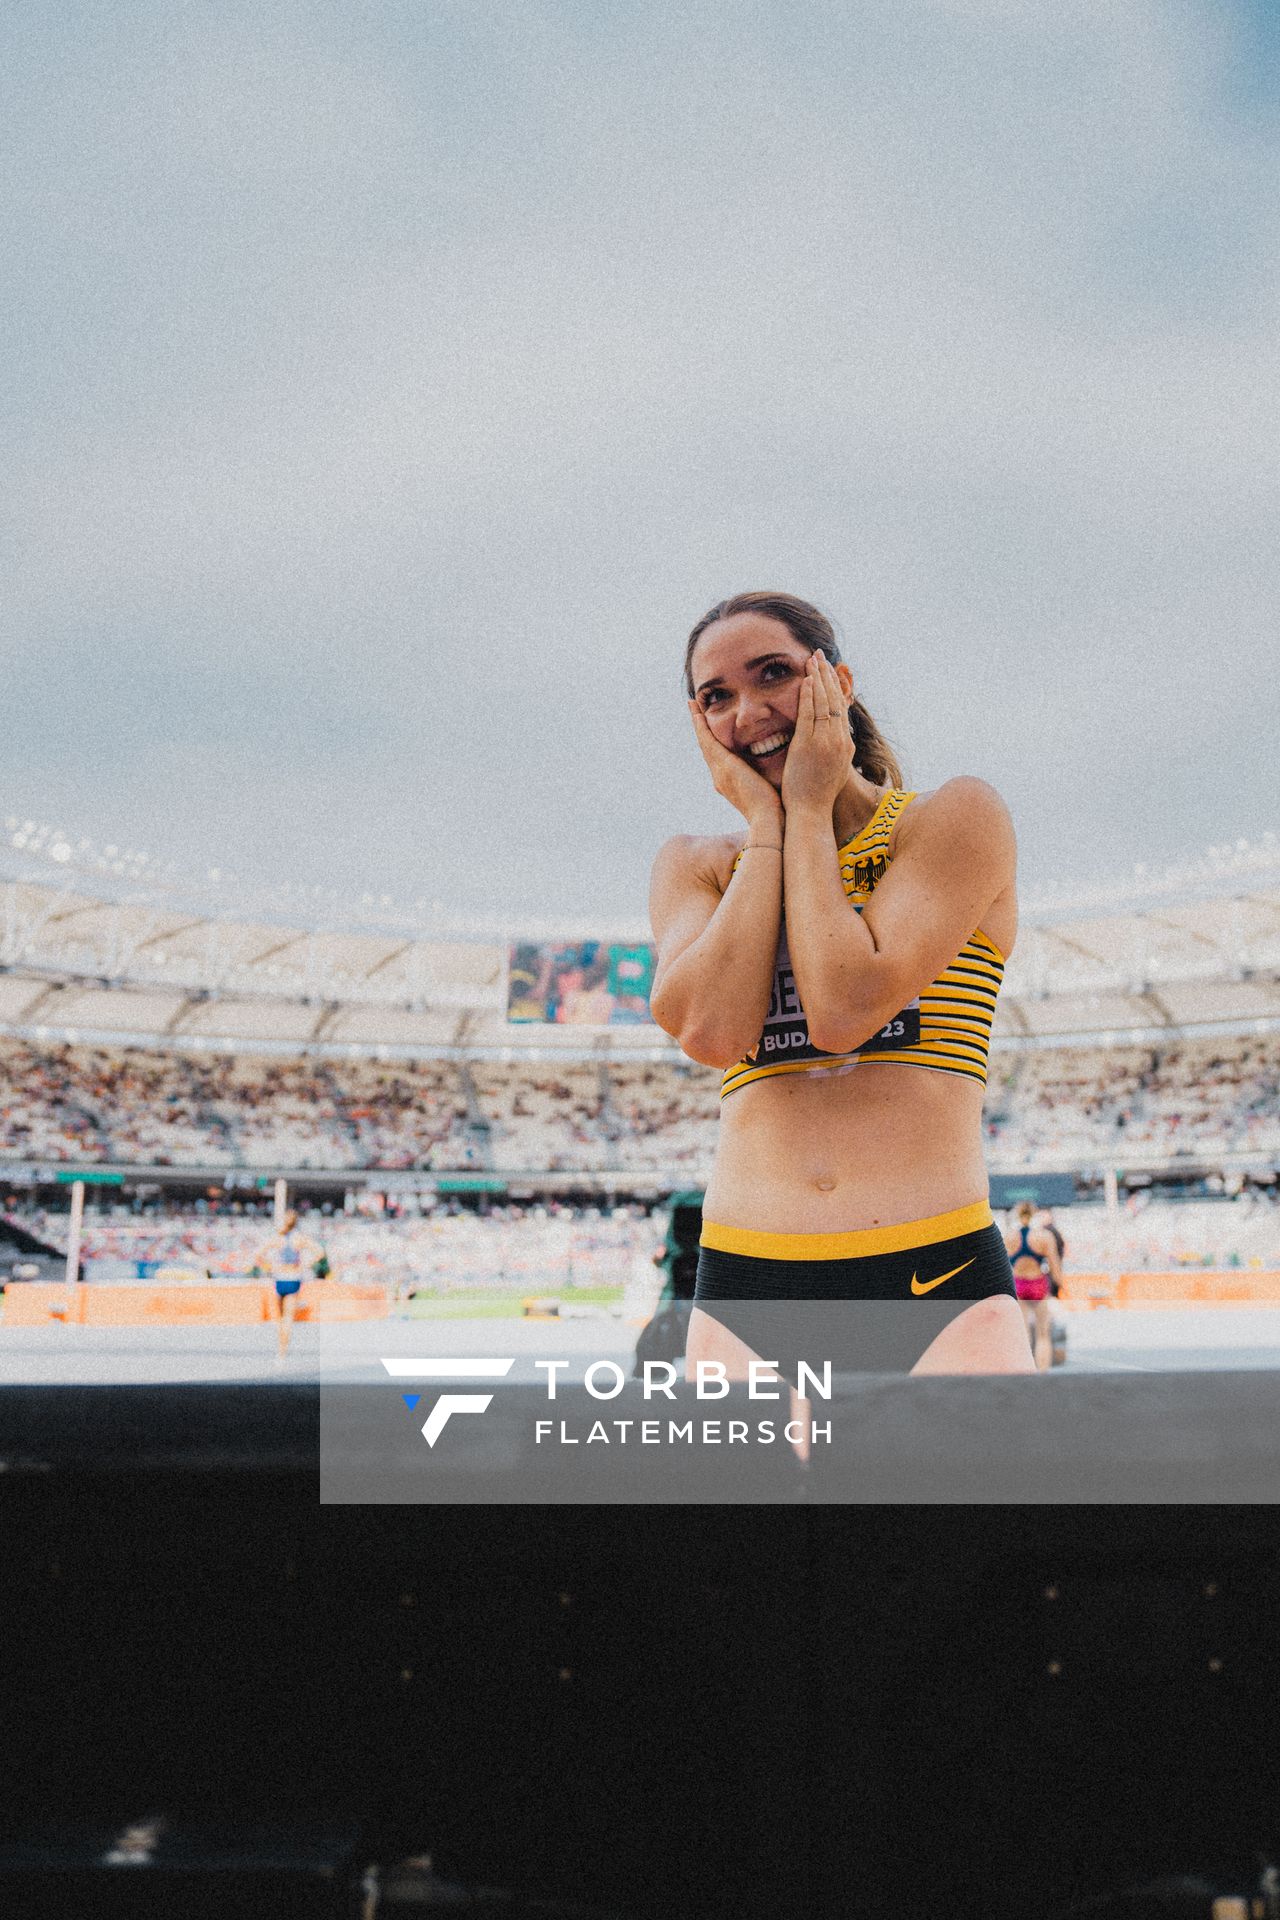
column 867, row 1301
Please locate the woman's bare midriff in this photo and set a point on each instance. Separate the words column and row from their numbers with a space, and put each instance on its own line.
column 881, row 1145
column 878, row 1146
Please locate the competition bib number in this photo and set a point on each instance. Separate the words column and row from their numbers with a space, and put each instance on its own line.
column 902, row 1031
column 786, row 1029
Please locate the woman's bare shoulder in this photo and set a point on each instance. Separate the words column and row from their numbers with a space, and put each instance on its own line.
column 963, row 810
column 964, row 796
column 969, row 815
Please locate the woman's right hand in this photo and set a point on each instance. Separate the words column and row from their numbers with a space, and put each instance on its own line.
column 736, row 780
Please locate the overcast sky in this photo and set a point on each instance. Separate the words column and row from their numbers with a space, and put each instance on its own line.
column 391, row 387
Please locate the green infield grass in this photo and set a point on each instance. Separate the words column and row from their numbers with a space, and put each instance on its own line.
column 500, row 1303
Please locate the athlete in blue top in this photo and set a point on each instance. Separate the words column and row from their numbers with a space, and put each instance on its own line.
column 290, row 1258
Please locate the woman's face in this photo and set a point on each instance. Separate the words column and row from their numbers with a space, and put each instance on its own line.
column 747, row 674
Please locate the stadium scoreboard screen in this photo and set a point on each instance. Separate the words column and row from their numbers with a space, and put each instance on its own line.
column 583, row 983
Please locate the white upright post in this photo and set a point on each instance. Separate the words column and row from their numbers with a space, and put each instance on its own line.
column 73, row 1234
column 1111, row 1193
column 282, row 1203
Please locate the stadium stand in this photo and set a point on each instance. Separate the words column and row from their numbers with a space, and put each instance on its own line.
column 1190, row 1097
column 1066, row 1107
column 136, row 1106
column 145, row 1036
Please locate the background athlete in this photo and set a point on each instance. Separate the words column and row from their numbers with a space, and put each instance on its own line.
column 290, row 1257
column 852, row 1036
column 1037, row 1270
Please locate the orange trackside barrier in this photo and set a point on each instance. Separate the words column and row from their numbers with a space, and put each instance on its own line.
column 1086, row 1290
column 36, row 1303
column 340, row 1300
column 30, row 1303
column 1191, row 1286
column 211, row 1306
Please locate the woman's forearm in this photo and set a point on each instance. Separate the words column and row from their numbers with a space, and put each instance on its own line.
column 832, row 953
column 715, row 996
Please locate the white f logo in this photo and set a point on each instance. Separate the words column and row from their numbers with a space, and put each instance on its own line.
column 456, row 1368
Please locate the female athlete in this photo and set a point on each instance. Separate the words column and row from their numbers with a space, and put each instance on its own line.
column 852, row 1036
column 1033, row 1254
column 289, row 1257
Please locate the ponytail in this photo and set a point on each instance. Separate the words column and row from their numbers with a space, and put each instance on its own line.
column 872, row 755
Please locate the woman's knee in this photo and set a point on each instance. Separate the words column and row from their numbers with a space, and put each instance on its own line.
column 988, row 1337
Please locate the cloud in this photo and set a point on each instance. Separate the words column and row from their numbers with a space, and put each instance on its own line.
column 426, row 378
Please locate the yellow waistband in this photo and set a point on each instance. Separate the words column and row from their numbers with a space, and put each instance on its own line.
column 851, row 1245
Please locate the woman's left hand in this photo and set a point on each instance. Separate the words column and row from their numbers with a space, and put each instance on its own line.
column 821, row 749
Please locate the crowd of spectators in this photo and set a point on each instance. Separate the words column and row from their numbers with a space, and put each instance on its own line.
column 136, row 1106
column 638, row 1116
column 1068, row 1107
column 1197, row 1098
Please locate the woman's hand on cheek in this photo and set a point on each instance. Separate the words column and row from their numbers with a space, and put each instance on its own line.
column 821, row 750
column 735, row 780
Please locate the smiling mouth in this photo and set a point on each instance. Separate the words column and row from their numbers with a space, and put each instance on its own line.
column 767, row 749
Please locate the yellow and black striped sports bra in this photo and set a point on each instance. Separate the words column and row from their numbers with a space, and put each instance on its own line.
column 947, row 1027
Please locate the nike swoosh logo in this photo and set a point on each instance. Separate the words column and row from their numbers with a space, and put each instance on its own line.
column 927, row 1286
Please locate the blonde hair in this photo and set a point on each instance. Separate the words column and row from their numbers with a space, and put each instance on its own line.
column 872, row 754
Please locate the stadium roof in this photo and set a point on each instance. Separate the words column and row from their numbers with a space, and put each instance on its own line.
column 74, row 961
